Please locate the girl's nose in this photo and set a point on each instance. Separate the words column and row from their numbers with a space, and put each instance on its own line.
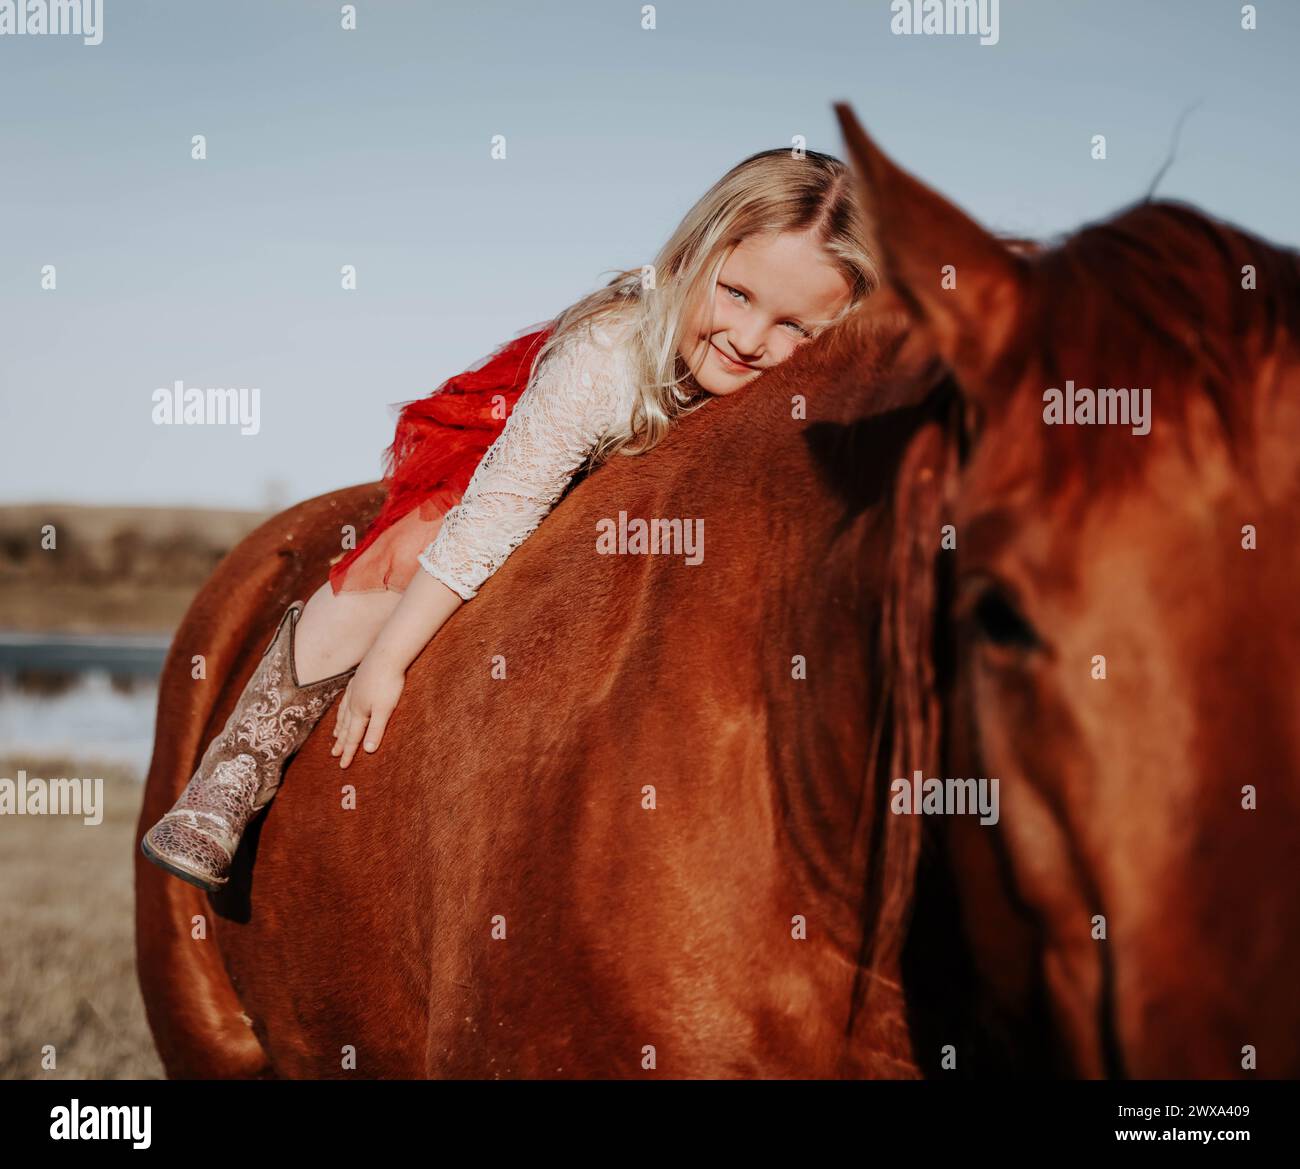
column 747, row 347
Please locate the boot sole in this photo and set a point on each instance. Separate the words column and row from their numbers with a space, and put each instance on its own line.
column 204, row 883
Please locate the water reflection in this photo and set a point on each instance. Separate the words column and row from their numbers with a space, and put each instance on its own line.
column 93, row 698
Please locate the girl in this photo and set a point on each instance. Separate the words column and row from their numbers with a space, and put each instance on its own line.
column 771, row 256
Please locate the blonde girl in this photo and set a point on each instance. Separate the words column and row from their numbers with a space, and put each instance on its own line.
column 771, row 256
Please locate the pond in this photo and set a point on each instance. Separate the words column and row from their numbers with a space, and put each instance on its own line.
column 88, row 696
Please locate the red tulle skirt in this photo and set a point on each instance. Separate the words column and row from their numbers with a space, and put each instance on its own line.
column 440, row 441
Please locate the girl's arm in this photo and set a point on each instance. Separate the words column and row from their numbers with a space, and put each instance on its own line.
column 424, row 608
column 579, row 390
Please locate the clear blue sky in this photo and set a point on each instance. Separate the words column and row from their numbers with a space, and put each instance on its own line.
column 371, row 148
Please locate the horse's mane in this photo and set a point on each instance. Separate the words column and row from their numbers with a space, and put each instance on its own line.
column 1152, row 297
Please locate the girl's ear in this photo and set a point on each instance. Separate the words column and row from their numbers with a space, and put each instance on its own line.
column 961, row 282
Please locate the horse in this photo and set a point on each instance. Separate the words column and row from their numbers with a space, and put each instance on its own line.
column 784, row 920
column 626, row 819
column 1108, row 623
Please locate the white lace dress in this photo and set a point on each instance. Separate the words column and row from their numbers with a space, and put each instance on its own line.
column 582, row 389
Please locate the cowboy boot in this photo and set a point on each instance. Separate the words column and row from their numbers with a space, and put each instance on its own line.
column 241, row 769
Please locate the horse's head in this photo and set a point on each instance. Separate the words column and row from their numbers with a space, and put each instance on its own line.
column 1123, row 624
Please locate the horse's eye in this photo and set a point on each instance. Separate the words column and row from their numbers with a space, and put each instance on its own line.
column 994, row 618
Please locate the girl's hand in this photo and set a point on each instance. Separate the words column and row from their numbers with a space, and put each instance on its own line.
column 367, row 704
column 376, row 686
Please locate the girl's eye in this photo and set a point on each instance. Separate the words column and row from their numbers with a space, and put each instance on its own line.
column 794, row 325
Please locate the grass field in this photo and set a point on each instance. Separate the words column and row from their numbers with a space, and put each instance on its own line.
column 67, row 947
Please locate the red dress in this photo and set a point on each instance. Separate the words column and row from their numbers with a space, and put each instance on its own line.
column 439, row 443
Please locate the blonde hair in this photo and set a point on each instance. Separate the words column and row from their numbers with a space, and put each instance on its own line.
column 770, row 192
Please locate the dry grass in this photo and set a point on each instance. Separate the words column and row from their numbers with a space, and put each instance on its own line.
column 67, row 945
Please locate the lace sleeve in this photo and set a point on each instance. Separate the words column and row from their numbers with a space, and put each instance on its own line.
column 555, row 422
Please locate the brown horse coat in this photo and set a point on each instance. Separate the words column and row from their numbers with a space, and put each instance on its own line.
column 624, row 821
column 656, row 844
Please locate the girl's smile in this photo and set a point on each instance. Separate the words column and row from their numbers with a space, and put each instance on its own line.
column 729, row 365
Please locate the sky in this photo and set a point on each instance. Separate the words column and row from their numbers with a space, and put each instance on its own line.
column 372, row 147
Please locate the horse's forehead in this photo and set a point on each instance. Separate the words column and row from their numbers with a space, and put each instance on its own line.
column 1053, row 494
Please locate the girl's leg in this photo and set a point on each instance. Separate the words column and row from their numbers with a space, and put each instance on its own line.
column 241, row 769
column 321, row 645
column 334, row 632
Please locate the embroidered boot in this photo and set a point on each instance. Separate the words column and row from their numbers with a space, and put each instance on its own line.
column 241, row 769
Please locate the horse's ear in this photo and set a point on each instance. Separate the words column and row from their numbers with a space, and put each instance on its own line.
column 962, row 283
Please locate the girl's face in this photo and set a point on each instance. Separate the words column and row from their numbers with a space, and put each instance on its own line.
column 772, row 291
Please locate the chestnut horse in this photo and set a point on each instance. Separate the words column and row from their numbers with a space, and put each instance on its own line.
column 625, row 819
column 1123, row 640
column 685, row 852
